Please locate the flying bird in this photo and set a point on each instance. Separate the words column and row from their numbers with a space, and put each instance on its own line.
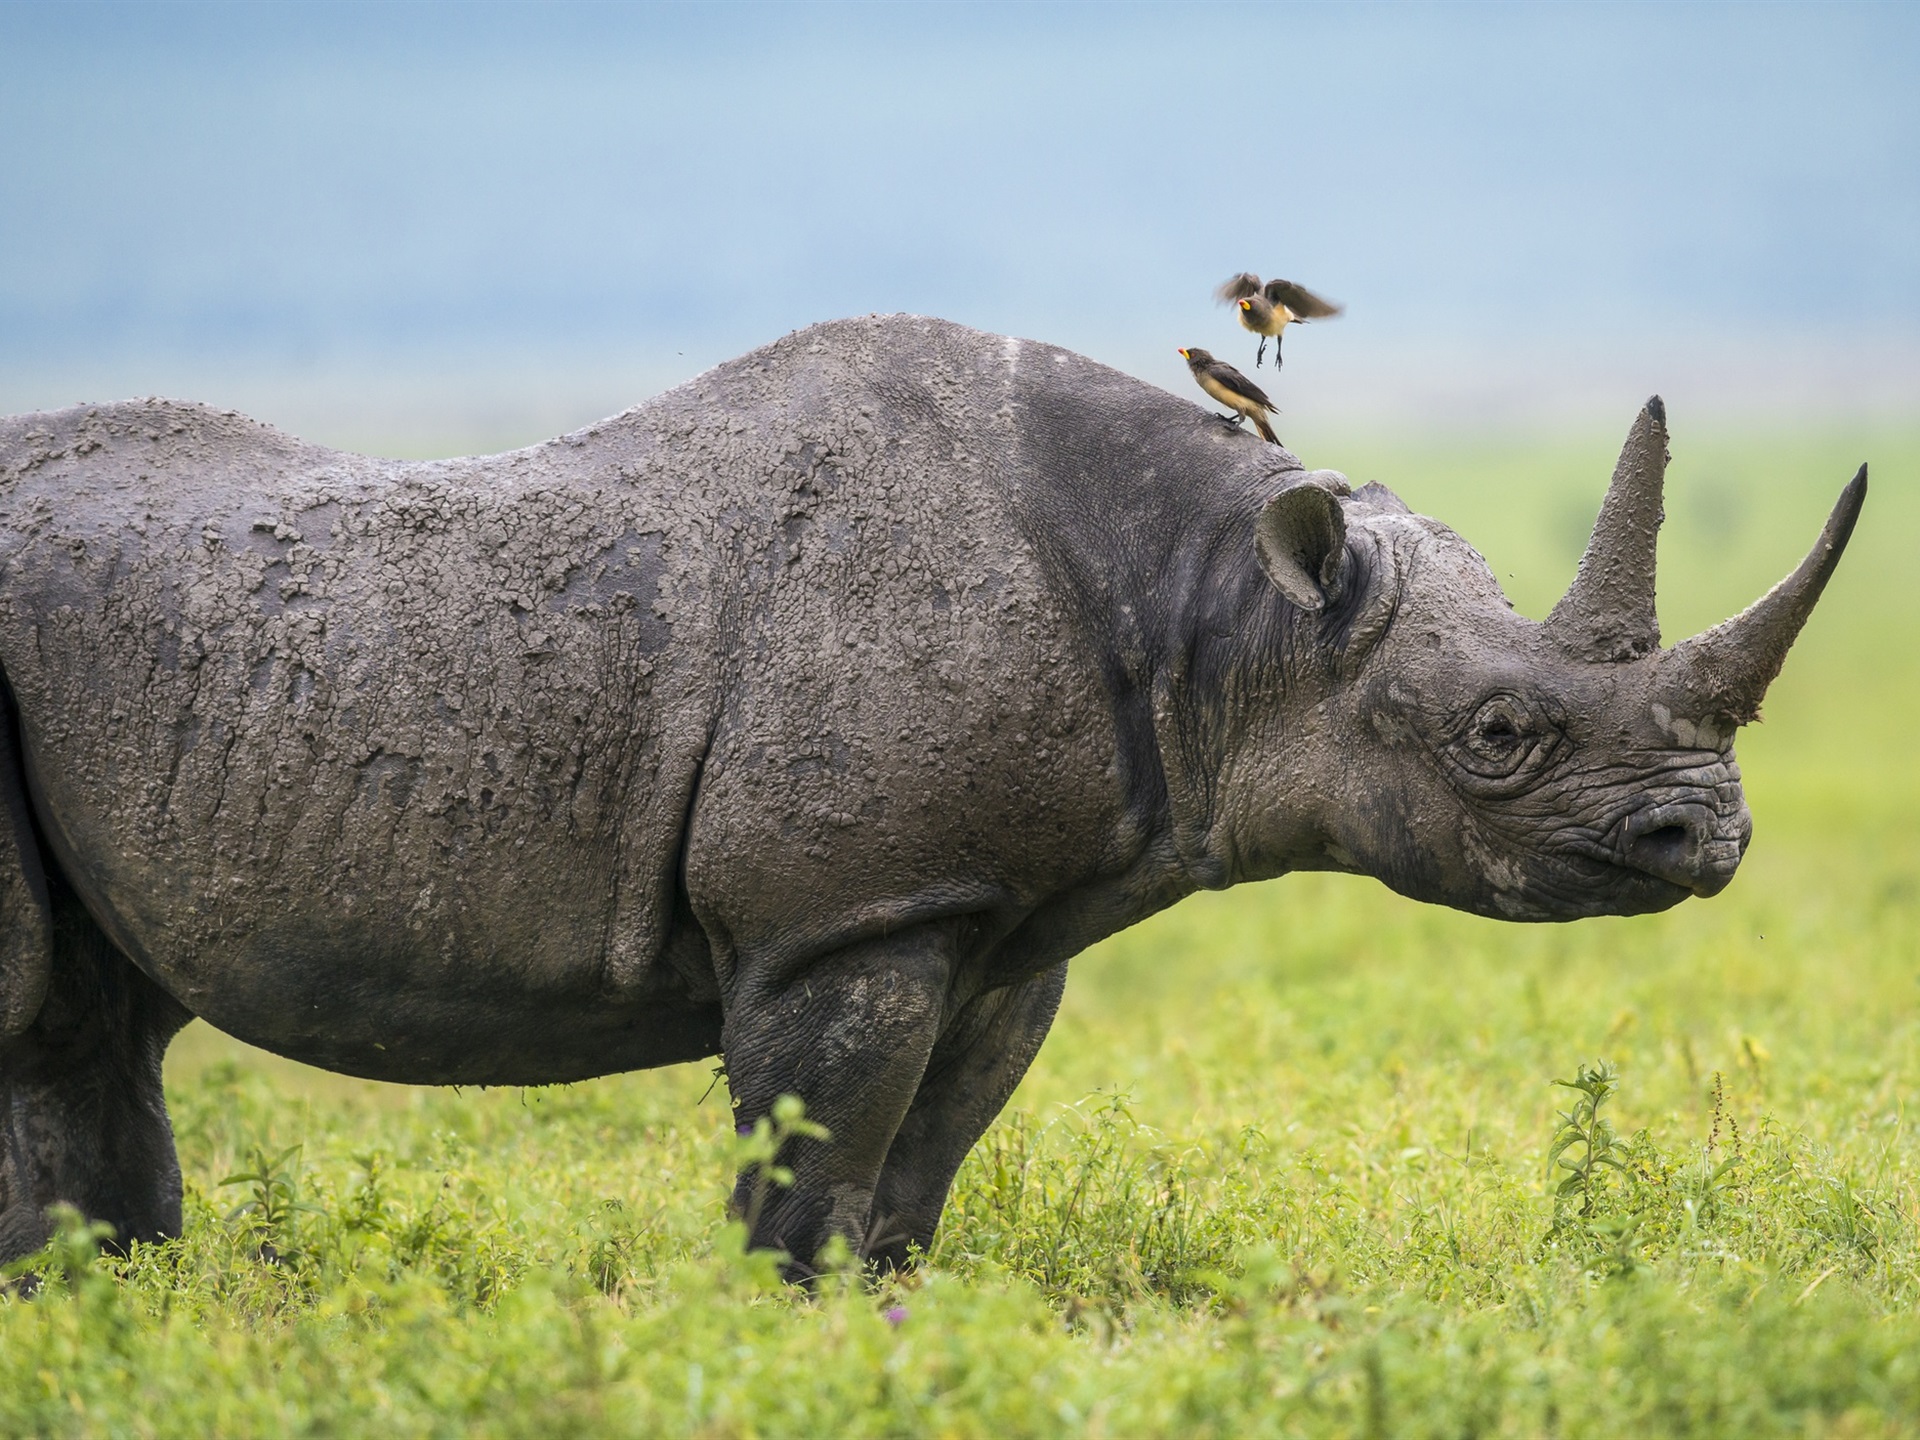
column 1233, row 390
column 1268, row 309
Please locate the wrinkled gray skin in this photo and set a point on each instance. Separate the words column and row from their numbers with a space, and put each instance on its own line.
column 812, row 714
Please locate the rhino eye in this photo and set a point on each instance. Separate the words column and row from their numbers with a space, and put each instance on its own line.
column 1503, row 734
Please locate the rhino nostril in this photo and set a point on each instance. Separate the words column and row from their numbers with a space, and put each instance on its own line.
column 1682, row 844
column 1667, row 842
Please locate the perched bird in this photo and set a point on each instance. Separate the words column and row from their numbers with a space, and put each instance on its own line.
column 1233, row 390
column 1268, row 309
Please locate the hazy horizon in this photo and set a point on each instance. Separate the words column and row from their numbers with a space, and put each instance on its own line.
column 412, row 223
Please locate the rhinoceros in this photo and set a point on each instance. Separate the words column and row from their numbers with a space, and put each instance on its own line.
column 812, row 715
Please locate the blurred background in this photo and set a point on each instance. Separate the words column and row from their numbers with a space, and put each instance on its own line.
column 431, row 228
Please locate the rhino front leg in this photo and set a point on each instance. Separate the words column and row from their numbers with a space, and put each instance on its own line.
column 849, row 1034
column 85, row 1117
column 974, row 1070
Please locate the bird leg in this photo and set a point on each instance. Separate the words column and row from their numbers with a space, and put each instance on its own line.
column 1261, row 353
column 1233, row 419
column 1276, row 348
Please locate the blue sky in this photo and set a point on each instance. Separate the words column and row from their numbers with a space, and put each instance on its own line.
column 427, row 212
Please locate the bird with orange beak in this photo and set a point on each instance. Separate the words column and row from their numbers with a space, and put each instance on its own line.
column 1227, row 385
column 1267, row 309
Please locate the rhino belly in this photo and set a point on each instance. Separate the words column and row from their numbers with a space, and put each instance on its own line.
column 377, row 952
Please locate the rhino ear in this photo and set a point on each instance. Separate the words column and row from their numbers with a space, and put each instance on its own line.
column 1381, row 498
column 1301, row 537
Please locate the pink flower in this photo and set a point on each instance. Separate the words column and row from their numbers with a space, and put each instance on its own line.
column 895, row 1315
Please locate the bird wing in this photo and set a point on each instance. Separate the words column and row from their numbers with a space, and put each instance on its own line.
column 1238, row 288
column 1229, row 378
column 1304, row 304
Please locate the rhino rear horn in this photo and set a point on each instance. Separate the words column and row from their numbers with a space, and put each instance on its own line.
column 1608, row 612
column 1301, row 537
column 1726, row 670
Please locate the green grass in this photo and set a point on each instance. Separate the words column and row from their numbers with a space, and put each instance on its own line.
column 1281, row 1168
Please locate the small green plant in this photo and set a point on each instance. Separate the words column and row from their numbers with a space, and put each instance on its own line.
column 1704, row 1184
column 273, row 1201
column 368, row 1208
column 1619, row 1239
column 614, row 1237
column 1838, row 1214
column 1584, row 1144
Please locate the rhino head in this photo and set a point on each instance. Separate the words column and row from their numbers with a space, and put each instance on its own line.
column 1529, row 771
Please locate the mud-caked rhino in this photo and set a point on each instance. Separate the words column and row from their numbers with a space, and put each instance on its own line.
column 811, row 715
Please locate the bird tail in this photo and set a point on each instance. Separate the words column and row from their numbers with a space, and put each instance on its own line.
column 1266, row 430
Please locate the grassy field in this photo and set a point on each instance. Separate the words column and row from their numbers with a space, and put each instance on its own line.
column 1280, row 1170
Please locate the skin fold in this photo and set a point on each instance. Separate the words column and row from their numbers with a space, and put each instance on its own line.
column 812, row 714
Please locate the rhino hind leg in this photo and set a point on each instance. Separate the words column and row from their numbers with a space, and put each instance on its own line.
column 26, row 921
column 849, row 1034
column 85, row 1118
column 974, row 1070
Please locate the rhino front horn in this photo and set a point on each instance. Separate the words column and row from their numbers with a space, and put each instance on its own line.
column 1608, row 612
column 1726, row 670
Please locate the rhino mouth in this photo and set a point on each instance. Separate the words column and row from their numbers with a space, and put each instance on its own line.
column 1666, row 850
column 1594, row 888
